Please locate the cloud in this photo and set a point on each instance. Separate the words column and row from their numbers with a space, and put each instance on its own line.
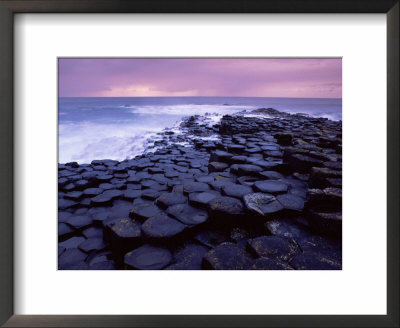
column 251, row 77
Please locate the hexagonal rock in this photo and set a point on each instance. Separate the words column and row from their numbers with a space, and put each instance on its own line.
column 65, row 203
column 63, row 216
column 273, row 247
column 261, row 203
column 192, row 186
column 271, row 186
column 247, row 181
column 91, row 192
column 104, row 178
column 170, row 198
column 150, row 194
column 124, row 235
column 187, row 214
column 221, row 183
column 92, row 244
column 107, row 197
column 236, row 148
column 236, row 190
column 264, row 263
column 189, row 257
column 79, row 221
column 227, row 256
column 291, row 202
column 273, row 175
column 72, row 242
column 161, row 226
column 131, row 194
column 70, row 259
column 147, row 257
column 74, row 195
column 82, row 184
column 220, row 156
column 203, row 198
column 247, row 170
column 205, row 178
column 225, row 207
column 217, row 166
column 143, row 211
column 93, row 232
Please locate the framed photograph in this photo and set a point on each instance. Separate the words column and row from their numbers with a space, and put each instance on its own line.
column 184, row 164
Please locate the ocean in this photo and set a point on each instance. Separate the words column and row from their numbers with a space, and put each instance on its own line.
column 117, row 128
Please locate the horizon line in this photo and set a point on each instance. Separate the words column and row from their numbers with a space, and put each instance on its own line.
column 201, row 97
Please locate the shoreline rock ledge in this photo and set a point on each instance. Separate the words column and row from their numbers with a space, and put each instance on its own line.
column 253, row 192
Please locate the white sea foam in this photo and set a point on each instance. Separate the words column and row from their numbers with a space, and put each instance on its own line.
column 83, row 142
column 187, row 109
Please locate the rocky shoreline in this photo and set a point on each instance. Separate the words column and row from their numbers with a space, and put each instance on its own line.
column 257, row 190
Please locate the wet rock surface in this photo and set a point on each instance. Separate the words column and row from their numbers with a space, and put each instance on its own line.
column 258, row 192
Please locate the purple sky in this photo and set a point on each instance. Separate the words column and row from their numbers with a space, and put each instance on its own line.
column 243, row 77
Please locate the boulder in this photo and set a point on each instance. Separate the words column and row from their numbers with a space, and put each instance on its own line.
column 187, row 214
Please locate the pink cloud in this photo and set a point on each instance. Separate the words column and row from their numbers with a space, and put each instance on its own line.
column 242, row 77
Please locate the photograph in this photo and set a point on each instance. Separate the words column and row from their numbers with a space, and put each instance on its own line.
column 220, row 163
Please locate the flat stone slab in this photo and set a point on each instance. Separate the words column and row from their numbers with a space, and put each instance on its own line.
column 131, row 194
column 262, row 203
column 217, row 166
column 171, row 198
column 291, row 202
column 72, row 242
column 187, row 214
column 273, row 247
column 74, row 195
column 189, row 187
column 271, row 186
column 150, row 194
column 162, row 226
column 236, row 190
column 92, row 192
column 203, row 198
column 93, row 232
column 63, row 216
column 107, row 197
column 79, row 221
column 143, row 211
column 148, row 257
column 227, row 256
column 92, row 244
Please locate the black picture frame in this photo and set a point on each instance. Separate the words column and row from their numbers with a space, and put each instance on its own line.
column 10, row 7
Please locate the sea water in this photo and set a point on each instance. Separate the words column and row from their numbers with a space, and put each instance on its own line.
column 118, row 128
